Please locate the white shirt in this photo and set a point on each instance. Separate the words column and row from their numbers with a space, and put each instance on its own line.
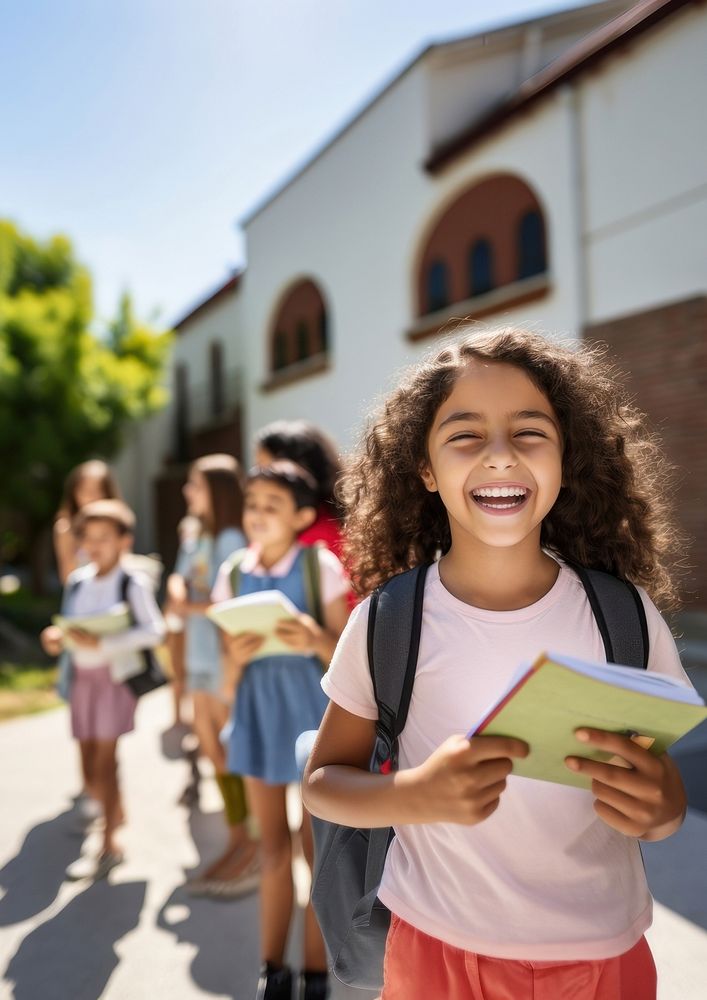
column 90, row 594
column 543, row 878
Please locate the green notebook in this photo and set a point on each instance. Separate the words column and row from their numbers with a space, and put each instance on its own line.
column 546, row 702
column 259, row 612
column 116, row 619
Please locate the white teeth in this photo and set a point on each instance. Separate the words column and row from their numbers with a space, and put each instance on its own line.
column 500, row 491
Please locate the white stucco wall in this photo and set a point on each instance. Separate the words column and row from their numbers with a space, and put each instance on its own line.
column 219, row 321
column 149, row 443
column 354, row 221
column 136, row 467
column 646, row 170
column 345, row 222
column 619, row 164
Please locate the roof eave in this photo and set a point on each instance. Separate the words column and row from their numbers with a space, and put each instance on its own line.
column 597, row 46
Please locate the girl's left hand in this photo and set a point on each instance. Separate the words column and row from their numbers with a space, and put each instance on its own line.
column 87, row 640
column 301, row 633
column 644, row 799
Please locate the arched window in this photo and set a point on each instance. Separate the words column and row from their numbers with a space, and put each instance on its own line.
column 280, row 353
column 487, row 238
column 480, row 268
column 531, row 245
column 300, row 332
column 437, row 286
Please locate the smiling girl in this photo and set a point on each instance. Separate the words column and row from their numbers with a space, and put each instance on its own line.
column 278, row 697
column 92, row 480
column 513, row 457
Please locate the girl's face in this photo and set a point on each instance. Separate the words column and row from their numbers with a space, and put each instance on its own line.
column 270, row 516
column 197, row 495
column 495, row 455
column 88, row 489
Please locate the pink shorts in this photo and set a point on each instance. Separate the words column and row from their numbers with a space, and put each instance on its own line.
column 419, row 967
column 100, row 708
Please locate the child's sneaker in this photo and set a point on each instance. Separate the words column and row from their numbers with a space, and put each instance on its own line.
column 274, row 983
column 313, row 986
column 88, row 808
column 87, row 867
column 85, row 814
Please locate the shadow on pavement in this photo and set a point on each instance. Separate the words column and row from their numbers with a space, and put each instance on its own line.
column 226, row 936
column 692, row 761
column 225, row 932
column 209, row 834
column 73, row 954
column 34, row 876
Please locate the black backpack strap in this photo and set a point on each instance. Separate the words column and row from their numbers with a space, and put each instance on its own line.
column 234, row 574
column 620, row 616
column 124, row 584
column 394, row 625
column 312, row 582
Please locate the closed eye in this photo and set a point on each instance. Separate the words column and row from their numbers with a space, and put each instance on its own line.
column 531, row 432
column 464, row 436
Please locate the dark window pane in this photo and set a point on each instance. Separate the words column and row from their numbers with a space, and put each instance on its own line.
column 437, row 286
column 181, row 407
column 217, row 394
column 323, row 332
column 280, row 358
column 303, row 351
column 480, row 268
column 531, row 245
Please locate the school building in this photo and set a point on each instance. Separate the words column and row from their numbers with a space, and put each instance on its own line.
column 550, row 173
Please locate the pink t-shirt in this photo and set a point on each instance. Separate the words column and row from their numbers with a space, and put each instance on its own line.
column 543, row 878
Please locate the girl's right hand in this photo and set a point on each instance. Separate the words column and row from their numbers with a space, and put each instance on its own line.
column 52, row 639
column 241, row 648
column 462, row 781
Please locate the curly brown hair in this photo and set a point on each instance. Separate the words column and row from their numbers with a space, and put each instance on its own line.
column 612, row 513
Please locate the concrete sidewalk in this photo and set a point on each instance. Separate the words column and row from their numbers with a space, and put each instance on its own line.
column 138, row 935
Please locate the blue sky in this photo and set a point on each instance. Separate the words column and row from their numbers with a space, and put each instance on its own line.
column 144, row 129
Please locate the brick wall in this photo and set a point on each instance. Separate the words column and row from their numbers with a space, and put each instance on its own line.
column 665, row 352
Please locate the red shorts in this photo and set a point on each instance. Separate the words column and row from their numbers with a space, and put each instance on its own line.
column 420, row 967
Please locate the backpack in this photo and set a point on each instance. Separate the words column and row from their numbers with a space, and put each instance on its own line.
column 311, row 574
column 348, row 861
column 151, row 676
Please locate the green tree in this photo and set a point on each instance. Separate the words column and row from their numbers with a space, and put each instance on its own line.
column 66, row 393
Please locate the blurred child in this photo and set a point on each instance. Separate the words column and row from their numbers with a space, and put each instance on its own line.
column 102, row 707
column 188, row 531
column 214, row 496
column 307, row 446
column 89, row 481
column 277, row 697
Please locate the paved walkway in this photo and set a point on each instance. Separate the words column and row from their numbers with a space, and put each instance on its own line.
column 138, row 935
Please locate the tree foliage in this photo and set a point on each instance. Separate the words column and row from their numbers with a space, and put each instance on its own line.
column 67, row 393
